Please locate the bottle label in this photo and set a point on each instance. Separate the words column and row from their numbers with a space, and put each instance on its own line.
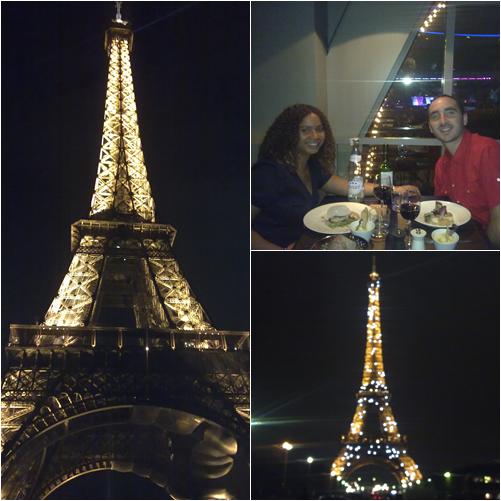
column 387, row 175
column 355, row 158
column 356, row 185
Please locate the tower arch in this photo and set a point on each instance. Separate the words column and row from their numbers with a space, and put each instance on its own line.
column 386, row 464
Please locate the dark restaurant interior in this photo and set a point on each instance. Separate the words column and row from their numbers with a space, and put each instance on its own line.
column 373, row 68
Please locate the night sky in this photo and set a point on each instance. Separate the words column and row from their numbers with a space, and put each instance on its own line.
column 190, row 66
column 440, row 332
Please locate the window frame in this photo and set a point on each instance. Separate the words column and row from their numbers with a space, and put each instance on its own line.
column 447, row 81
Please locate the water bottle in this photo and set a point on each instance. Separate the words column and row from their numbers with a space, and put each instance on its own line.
column 355, row 178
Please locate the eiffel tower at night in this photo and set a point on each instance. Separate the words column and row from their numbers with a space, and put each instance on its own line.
column 126, row 371
column 373, row 438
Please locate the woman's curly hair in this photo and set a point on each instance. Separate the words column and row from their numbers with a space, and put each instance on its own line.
column 282, row 138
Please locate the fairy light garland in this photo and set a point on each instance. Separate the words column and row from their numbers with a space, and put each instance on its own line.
column 432, row 17
column 379, row 118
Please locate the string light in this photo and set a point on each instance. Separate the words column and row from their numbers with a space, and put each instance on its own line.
column 432, row 16
column 377, row 123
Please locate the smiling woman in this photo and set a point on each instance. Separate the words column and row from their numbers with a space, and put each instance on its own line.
column 295, row 162
column 311, row 137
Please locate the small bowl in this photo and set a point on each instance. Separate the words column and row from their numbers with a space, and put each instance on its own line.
column 366, row 234
column 323, row 244
column 441, row 245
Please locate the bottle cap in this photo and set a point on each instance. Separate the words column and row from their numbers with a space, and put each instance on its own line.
column 398, row 239
column 418, row 233
column 398, row 234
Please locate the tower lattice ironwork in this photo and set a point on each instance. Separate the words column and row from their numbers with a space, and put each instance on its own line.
column 126, row 372
column 373, row 438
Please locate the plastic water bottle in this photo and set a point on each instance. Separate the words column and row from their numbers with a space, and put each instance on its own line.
column 355, row 179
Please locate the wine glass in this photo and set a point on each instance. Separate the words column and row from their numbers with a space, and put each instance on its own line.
column 396, row 198
column 382, row 191
column 409, row 209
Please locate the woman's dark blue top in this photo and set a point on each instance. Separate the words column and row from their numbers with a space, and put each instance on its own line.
column 283, row 199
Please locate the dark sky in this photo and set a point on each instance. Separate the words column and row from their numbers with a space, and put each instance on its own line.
column 190, row 66
column 440, row 328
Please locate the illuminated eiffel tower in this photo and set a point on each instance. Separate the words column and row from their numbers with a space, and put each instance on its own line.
column 373, row 438
column 126, row 372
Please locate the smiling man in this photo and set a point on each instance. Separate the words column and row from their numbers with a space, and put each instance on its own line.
column 468, row 172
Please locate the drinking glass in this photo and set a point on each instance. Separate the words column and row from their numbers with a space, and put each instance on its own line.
column 396, row 198
column 382, row 191
column 410, row 206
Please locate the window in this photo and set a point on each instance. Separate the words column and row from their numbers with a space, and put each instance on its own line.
column 476, row 65
column 468, row 68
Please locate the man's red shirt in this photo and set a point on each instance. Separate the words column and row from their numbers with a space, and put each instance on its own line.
column 471, row 176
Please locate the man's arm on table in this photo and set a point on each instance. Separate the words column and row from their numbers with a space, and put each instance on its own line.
column 493, row 227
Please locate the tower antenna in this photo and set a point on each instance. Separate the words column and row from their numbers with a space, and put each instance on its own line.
column 118, row 19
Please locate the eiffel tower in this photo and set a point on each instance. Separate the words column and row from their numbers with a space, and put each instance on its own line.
column 373, row 438
column 126, row 371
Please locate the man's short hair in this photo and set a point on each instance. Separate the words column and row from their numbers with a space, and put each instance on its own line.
column 459, row 103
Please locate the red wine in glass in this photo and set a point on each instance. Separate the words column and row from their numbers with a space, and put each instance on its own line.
column 382, row 193
column 409, row 211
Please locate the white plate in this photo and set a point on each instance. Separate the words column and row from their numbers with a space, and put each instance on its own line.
column 315, row 219
column 460, row 214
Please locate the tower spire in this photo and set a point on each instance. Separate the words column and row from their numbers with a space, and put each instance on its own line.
column 122, row 191
column 373, row 438
column 118, row 18
column 374, row 274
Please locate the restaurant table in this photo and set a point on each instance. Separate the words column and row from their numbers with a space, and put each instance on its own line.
column 471, row 235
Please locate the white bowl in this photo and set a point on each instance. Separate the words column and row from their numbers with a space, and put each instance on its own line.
column 366, row 234
column 441, row 245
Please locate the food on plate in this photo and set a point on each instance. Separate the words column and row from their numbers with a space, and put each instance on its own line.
column 439, row 216
column 364, row 218
column 340, row 215
column 342, row 243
